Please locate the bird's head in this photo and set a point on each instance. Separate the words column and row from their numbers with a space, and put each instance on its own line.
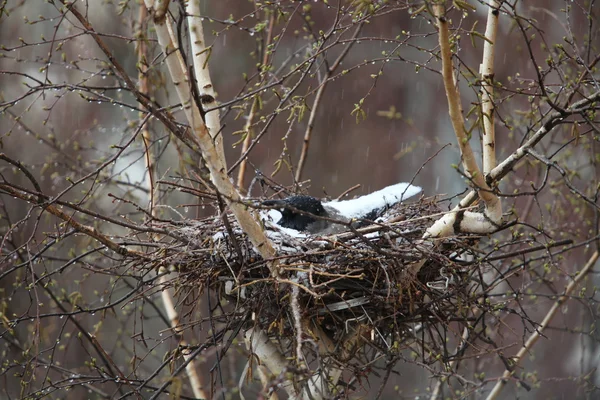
column 297, row 212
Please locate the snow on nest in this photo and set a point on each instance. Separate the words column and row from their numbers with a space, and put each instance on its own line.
column 355, row 208
column 275, row 235
column 271, row 217
column 388, row 196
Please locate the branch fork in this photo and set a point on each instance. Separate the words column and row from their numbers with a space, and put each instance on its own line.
column 459, row 220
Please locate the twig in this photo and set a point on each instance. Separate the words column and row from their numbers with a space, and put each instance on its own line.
column 564, row 242
column 70, row 220
column 317, row 101
column 183, row 134
column 167, row 299
column 253, row 111
column 516, row 360
column 190, row 368
column 461, row 346
column 296, row 313
column 142, row 51
column 348, row 191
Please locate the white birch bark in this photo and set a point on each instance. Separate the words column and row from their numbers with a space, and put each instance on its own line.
column 214, row 162
column 459, row 221
column 200, row 56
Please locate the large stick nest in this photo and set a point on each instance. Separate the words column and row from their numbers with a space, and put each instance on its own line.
column 364, row 277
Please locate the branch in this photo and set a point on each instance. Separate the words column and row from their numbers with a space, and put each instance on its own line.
column 200, row 56
column 323, row 383
column 142, row 63
column 317, row 100
column 259, row 344
column 167, row 299
column 190, row 369
column 466, row 221
column 506, row 166
column 217, row 169
column 516, row 360
column 220, row 178
column 254, row 108
column 555, row 118
column 454, row 104
column 70, row 220
column 487, row 89
column 464, row 342
column 165, row 118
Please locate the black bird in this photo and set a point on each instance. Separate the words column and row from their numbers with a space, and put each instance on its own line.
column 308, row 214
column 302, row 213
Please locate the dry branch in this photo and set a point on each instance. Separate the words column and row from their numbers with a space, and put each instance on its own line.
column 516, row 360
column 70, row 220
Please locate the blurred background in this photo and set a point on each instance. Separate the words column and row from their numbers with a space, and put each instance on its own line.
column 383, row 119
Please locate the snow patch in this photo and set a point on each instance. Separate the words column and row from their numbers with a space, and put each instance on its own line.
column 388, row 196
column 281, row 233
column 218, row 236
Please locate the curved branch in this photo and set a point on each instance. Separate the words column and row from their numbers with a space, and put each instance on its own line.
column 463, row 221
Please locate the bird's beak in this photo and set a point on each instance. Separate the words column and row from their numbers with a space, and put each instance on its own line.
column 274, row 203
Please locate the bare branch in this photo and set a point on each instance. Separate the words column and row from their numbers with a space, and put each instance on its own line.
column 516, row 360
column 213, row 161
column 467, row 221
column 201, row 57
column 487, row 89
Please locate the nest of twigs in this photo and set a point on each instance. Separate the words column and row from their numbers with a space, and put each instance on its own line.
column 383, row 277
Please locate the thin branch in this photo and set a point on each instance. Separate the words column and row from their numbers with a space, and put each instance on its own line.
column 183, row 134
column 70, row 220
column 317, row 101
column 150, row 159
column 191, row 368
column 516, row 360
column 464, row 342
column 253, row 110
column 142, row 63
